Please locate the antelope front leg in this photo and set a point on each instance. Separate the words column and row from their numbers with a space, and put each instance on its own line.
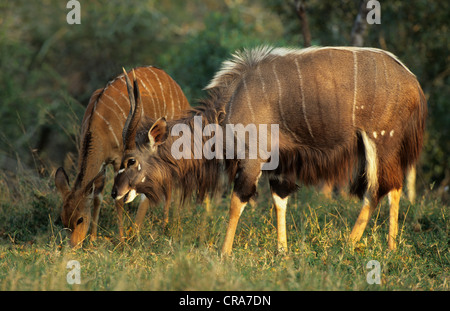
column 119, row 209
column 394, row 199
column 363, row 219
column 236, row 209
column 96, row 213
column 280, row 205
column 166, row 209
column 244, row 190
column 208, row 204
column 281, row 189
column 141, row 212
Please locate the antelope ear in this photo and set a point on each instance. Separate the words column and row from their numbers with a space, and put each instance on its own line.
column 95, row 186
column 158, row 133
column 62, row 181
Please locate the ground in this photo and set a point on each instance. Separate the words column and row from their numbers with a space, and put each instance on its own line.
column 34, row 252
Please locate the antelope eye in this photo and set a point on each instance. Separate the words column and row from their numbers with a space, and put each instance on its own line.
column 79, row 221
column 131, row 162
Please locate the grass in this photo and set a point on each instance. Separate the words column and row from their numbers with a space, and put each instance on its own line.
column 34, row 251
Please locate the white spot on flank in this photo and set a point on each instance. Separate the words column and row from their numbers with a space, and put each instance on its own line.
column 382, row 132
column 375, row 134
column 391, row 133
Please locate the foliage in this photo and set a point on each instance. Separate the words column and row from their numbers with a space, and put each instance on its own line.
column 50, row 68
column 186, row 256
column 195, row 60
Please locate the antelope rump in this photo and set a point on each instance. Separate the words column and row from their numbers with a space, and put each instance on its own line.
column 101, row 145
column 344, row 113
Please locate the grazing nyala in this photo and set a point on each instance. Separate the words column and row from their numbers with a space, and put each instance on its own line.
column 101, row 144
column 344, row 113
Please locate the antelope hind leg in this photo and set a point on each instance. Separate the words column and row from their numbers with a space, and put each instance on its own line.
column 369, row 206
column 394, row 199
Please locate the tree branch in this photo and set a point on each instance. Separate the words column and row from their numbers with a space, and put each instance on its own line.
column 300, row 9
column 360, row 25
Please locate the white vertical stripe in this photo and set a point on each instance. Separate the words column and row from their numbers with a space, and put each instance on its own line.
column 248, row 99
column 171, row 97
column 263, row 85
column 113, row 111
column 303, row 98
column 355, row 74
column 109, row 127
column 162, row 90
column 121, row 94
column 280, row 106
column 179, row 96
column 371, row 163
column 155, row 114
column 115, row 103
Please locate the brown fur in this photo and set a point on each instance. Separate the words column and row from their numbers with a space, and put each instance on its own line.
column 342, row 112
column 101, row 144
column 162, row 172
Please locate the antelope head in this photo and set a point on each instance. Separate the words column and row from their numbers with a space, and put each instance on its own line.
column 138, row 167
column 77, row 202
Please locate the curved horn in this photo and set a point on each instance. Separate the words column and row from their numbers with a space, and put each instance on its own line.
column 130, row 127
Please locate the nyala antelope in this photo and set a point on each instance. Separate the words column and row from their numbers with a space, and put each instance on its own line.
column 101, row 144
column 344, row 113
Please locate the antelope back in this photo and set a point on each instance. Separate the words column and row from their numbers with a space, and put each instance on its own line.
column 101, row 139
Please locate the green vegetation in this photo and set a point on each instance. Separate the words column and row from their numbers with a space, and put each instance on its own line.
column 50, row 69
column 34, row 254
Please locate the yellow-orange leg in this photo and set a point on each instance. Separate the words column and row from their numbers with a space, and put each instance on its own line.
column 236, row 209
column 96, row 213
column 394, row 199
column 208, row 204
column 327, row 189
column 369, row 206
column 141, row 212
column 166, row 209
column 119, row 209
column 280, row 206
